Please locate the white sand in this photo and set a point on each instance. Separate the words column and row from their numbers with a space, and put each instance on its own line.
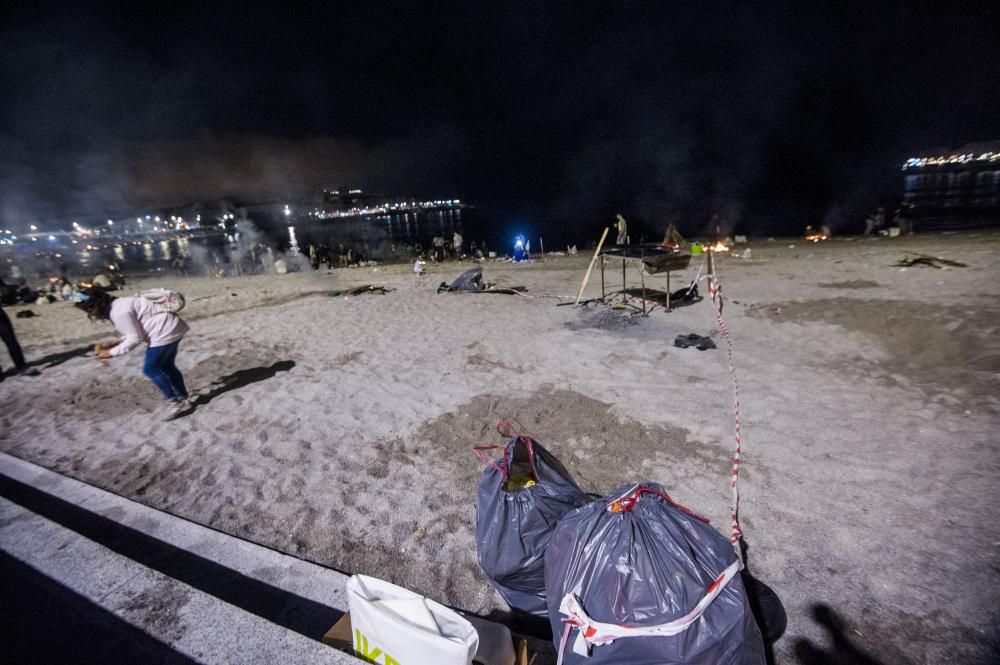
column 870, row 404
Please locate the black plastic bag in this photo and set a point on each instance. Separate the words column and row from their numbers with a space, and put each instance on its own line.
column 636, row 579
column 470, row 280
column 520, row 499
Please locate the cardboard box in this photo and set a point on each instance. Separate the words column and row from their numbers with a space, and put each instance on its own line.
column 521, row 656
column 340, row 636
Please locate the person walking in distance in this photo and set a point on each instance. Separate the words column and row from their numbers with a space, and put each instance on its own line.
column 622, row 227
column 139, row 320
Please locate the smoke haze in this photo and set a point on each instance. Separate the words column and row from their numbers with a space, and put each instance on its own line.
column 762, row 117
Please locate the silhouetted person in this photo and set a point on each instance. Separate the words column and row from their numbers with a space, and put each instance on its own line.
column 622, row 227
column 13, row 347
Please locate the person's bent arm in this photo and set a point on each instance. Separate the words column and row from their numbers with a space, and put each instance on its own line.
column 128, row 326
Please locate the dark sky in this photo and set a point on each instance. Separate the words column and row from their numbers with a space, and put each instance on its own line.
column 771, row 115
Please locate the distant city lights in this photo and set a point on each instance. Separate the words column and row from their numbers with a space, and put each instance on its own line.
column 920, row 162
column 360, row 205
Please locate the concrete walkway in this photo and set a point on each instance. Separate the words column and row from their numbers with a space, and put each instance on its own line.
column 87, row 576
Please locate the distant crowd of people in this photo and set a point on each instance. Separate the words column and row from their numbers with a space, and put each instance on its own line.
column 439, row 251
column 337, row 256
column 59, row 288
column 253, row 259
column 878, row 222
column 442, row 250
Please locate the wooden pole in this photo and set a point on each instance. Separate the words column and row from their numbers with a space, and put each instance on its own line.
column 642, row 278
column 586, row 277
column 602, row 280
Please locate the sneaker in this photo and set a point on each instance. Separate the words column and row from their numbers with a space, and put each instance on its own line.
column 27, row 371
column 177, row 408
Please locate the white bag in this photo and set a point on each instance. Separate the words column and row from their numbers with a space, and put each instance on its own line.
column 395, row 626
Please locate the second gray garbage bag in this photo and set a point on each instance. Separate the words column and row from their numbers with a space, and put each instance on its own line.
column 636, row 579
column 520, row 499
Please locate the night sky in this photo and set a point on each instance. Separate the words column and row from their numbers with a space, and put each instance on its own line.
column 770, row 115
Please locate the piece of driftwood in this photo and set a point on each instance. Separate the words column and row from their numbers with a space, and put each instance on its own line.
column 593, row 259
column 358, row 290
column 508, row 290
column 915, row 259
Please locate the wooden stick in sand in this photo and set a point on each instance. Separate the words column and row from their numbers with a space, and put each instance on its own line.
column 586, row 277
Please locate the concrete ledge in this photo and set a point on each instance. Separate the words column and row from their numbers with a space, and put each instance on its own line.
column 202, row 593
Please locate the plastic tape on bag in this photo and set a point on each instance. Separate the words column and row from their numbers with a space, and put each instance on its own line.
column 596, row 633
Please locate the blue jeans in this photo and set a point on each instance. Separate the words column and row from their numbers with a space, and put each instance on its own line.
column 162, row 371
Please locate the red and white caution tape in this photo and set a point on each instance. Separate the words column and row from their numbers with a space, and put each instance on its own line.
column 715, row 289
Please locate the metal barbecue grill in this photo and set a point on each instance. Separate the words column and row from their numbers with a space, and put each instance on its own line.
column 653, row 259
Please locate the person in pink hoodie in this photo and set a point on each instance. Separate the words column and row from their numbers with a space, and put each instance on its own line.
column 139, row 320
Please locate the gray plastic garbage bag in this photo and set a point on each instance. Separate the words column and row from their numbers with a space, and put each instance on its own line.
column 636, row 579
column 521, row 496
column 470, row 280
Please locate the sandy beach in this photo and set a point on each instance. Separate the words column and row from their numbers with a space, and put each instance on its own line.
column 338, row 429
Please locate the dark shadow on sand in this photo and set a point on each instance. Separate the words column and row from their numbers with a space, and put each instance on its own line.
column 767, row 608
column 54, row 359
column 241, row 379
column 46, row 622
column 274, row 604
column 842, row 652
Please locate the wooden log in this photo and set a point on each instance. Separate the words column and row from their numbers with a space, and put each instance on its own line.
column 586, row 277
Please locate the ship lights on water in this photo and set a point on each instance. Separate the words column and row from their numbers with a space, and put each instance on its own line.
column 920, row 162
